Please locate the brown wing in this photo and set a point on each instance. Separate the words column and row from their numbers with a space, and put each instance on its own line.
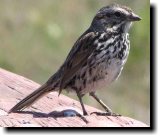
column 78, row 55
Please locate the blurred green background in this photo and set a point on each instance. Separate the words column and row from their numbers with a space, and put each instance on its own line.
column 36, row 36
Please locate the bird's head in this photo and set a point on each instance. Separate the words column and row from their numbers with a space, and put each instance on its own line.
column 114, row 18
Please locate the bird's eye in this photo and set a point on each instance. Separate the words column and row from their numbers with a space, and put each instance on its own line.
column 108, row 15
column 100, row 16
column 117, row 14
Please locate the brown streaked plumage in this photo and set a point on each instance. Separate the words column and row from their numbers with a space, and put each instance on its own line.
column 96, row 59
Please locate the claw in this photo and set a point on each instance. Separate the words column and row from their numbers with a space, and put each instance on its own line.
column 105, row 114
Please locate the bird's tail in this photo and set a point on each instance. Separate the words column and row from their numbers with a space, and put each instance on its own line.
column 30, row 99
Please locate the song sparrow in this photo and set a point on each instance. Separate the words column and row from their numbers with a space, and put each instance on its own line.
column 96, row 59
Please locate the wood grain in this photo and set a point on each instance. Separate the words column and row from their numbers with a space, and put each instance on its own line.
column 50, row 110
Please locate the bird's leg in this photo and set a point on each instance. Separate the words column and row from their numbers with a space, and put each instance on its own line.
column 108, row 110
column 101, row 102
column 80, row 99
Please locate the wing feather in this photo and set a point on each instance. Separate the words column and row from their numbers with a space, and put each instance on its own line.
column 81, row 50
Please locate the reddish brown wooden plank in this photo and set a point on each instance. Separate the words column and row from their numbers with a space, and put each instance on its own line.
column 14, row 87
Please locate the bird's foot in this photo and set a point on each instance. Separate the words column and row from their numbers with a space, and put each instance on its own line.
column 85, row 113
column 105, row 114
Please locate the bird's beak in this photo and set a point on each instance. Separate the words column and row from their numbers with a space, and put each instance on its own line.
column 134, row 17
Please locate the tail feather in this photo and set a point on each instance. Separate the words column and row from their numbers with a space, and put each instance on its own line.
column 30, row 99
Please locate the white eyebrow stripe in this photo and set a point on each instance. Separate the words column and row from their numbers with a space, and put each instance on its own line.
column 121, row 10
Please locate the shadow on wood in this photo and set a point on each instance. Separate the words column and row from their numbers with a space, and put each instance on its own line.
column 51, row 110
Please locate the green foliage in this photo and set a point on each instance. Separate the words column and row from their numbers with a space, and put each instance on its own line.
column 36, row 36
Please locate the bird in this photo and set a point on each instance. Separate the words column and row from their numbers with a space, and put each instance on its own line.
column 95, row 60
